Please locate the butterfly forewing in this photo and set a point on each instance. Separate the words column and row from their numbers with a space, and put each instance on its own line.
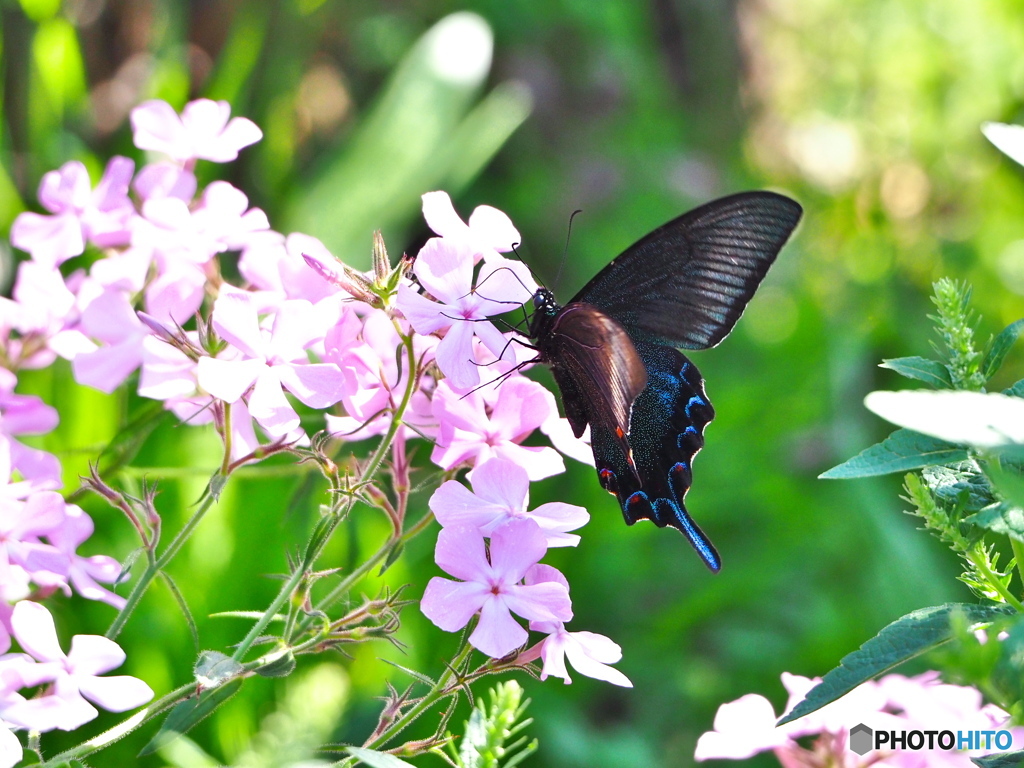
column 687, row 283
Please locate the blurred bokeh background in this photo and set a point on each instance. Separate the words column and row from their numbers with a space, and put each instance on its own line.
column 867, row 111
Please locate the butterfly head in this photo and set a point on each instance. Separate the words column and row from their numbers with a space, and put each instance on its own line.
column 545, row 310
column 544, row 302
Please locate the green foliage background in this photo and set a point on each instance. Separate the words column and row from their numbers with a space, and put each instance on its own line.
column 867, row 111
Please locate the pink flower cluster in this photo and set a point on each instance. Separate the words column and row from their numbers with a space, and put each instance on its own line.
column 125, row 279
column 745, row 727
column 506, row 576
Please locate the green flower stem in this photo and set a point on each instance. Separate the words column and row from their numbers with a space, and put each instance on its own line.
column 439, row 691
column 155, row 566
column 990, row 578
column 225, row 467
column 320, row 538
column 123, row 728
column 1018, row 555
column 342, row 589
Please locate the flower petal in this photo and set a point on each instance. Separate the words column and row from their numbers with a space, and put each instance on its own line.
column 445, row 269
column 94, row 655
column 116, row 694
column 455, row 505
column 502, row 482
column 515, row 546
column 497, row 634
column 228, row 380
column 451, row 604
column 539, row 602
column 460, row 552
column 455, row 356
column 35, row 631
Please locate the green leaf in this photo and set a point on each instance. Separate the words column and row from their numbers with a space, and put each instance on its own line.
column 1000, row 760
column 376, row 759
column 183, row 605
column 126, row 444
column 1006, row 477
column 393, row 555
column 1000, row 517
column 904, row 639
column 411, row 672
column 280, row 663
column 1017, row 390
column 931, row 372
column 1008, row 673
column 213, row 668
column 190, row 712
column 901, row 451
column 962, row 482
column 1000, row 347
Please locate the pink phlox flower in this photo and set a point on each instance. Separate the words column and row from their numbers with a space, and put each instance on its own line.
column 165, row 180
column 17, row 671
column 445, row 270
column 177, row 293
column 559, row 432
column 124, row 270
column 274, row 263
column 363, row 344
column 24, row 558
column 38, row 323
column 895, row 703
column 488, row 233
column 76, row 675
column 501, row 492
column 80, row 214
column 83, row 572
column 26, row 415
column 11, row 751
column 472, row 430
column 224, row 214
column 203, row 131
column 491, row 587
column 170, row 230
column 169, row 375
column 587, row 652
column 271, row 362
column 110, row 319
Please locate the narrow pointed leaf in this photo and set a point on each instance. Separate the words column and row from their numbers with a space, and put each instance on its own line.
column 1000, row 347
column 183, row 605
column 931, row 372
column 126, row 444
column 901, row 451
column 375, row 759
column 188, row 713
column 904, row 639
column 411, row 672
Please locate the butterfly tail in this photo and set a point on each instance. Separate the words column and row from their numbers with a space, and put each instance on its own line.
column 674, row 514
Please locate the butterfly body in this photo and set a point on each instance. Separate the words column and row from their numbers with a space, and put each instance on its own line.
column 613, row 348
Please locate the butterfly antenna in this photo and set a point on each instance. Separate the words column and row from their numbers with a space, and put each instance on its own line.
column 566, row 251
column 519, row 256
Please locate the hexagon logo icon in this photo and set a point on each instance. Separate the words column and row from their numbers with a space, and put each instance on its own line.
column 861, row 737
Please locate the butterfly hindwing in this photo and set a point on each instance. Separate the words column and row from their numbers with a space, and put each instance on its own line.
column 593, row 352
column 687, row 282
column 666, row 432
